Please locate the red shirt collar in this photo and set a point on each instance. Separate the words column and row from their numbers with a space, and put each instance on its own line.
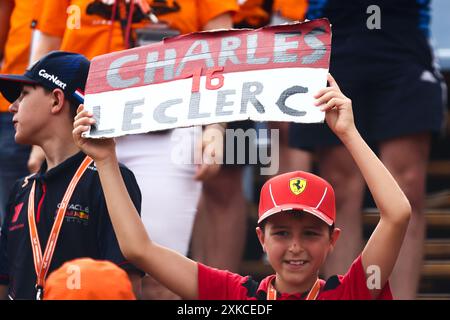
column 263, row 287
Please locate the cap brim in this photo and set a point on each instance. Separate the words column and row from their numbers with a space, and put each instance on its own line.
column 287, row 207
column 11, row 85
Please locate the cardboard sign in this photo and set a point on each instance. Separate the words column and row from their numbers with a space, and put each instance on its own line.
column 269, row 74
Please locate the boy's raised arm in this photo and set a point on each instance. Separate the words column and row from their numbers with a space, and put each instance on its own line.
column 383, row 247
column 168, row 267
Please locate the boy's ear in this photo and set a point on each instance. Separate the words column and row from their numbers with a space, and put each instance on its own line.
column 260, row 234
column 58, row 101
column 334, row 237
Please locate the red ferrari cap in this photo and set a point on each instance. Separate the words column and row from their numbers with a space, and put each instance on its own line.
column 298, row 190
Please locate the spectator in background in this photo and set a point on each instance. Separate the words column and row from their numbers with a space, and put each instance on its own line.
column 106, row 26
column 17, row 19
column 383, row 62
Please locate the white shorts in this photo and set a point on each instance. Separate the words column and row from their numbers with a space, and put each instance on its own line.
column 169, row 192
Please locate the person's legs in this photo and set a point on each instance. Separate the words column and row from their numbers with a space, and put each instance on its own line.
column 338, row 168
column 218, row 238
column 406, row 158
column 409, row 108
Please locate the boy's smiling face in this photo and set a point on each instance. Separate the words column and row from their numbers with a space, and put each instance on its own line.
column 297, row 245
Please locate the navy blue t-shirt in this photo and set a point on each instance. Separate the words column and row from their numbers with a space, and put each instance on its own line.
column 401, row 15
column 86, row 230
column 358, row 47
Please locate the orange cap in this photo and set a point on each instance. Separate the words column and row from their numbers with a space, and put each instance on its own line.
column 88, row 279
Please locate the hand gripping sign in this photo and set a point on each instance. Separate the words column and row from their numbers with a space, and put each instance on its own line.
column 269, row 74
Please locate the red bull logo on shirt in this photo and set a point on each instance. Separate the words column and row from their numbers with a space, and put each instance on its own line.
column 76, row 213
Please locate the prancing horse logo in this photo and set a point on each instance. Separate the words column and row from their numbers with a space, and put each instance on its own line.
column 297, row 185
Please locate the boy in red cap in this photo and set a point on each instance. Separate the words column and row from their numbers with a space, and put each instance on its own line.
column 295, row 227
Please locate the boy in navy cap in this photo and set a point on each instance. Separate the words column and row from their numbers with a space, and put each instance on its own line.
column 59, row 213
column 295, row 228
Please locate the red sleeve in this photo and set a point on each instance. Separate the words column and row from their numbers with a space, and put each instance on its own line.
column 354, row 284
column 215, row 284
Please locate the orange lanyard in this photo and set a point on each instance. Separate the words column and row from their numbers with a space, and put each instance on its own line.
column 312, row 295
column 42, row 263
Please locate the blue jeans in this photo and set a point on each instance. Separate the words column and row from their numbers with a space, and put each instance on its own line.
column 13, row 159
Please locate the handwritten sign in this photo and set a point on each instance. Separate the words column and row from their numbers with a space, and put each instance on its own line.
column 268, row 74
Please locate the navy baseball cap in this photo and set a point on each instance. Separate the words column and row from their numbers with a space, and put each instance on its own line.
column 58, row 69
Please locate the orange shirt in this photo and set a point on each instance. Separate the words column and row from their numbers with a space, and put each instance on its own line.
column 291, row 9
column 92, row 38
column 17, row 47
column 251, row 12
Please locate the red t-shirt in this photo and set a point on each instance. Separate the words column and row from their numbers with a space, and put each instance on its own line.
column 214, row 284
